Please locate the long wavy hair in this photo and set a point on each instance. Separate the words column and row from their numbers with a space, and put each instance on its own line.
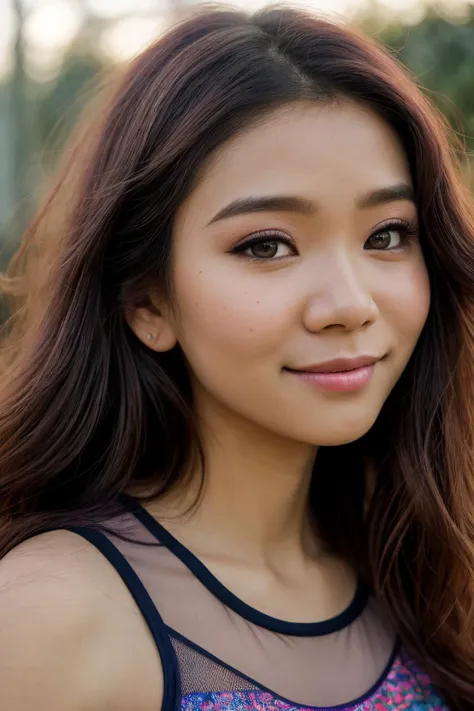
column 88, row 412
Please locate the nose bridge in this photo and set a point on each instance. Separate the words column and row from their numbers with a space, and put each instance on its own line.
column 346, row 278
column 339, row 292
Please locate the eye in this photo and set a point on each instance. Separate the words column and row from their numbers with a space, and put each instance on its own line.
column 268, row 249
column 391, row 237
column 387, row 239
column 265, row 248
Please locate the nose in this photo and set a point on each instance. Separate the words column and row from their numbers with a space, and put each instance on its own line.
column 341, row 297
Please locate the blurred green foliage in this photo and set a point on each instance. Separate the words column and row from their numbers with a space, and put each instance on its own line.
column 440, row 53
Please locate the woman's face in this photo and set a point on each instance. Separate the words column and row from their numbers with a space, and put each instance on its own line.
column 297, row 257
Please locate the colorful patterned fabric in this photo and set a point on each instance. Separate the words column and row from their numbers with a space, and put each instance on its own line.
column 404, row 688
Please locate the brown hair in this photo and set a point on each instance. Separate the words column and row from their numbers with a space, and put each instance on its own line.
column 86, row 409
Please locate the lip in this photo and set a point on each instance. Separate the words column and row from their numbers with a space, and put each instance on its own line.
column 338, row 365
column 338, row 375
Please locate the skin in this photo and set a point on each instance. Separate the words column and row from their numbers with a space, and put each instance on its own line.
column 240, row 323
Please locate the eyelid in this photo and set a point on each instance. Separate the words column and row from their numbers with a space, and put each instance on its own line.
column 408, row 225
column 409, row 230
column 261, row 236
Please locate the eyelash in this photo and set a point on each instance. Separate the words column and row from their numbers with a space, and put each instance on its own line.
column 258, row 238
column 407, row 230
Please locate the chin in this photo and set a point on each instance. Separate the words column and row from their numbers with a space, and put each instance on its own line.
column 337, row 439
column 336, row 433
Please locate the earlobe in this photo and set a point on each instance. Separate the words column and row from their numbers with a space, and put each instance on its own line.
column 163, row 341
column 152, row 328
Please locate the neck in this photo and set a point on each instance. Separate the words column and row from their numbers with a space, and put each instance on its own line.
column 255, row 494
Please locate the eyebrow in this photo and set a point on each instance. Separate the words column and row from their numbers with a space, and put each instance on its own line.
column 288, row 203
column 392, row 193
column 276, row 203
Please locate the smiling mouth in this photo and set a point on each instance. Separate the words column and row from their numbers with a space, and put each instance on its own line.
column 338, row 375
column 338, row 365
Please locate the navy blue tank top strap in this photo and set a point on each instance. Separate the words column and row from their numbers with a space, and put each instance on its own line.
column 171, row 683
column 220, row 654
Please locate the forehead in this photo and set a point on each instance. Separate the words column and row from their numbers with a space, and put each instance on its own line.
column 331, row 153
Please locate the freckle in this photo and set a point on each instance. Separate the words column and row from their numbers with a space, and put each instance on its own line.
column 200, row 271
column 251, row 330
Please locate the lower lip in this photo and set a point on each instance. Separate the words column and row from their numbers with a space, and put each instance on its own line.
column 341, row 382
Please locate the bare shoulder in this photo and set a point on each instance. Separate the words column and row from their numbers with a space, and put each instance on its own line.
column 71, row 636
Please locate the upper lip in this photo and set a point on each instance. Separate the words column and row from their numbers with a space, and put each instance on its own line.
column 339, row 365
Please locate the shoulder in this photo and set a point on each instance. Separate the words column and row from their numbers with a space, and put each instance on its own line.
column 71, row 637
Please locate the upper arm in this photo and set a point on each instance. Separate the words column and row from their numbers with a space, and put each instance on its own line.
column 70, row 635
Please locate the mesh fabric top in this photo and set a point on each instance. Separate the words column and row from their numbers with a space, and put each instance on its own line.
column 220, row 654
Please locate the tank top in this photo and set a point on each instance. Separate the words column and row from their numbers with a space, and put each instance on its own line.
column 220, row 654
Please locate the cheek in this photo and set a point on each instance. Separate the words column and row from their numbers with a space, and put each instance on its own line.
column 406, row 301
column 225, row 313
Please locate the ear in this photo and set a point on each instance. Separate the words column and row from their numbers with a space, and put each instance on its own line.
column 153, row 326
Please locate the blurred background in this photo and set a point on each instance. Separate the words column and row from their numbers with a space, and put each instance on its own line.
column 53, row 51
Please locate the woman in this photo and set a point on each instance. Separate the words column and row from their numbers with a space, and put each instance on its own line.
column 236, row 467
